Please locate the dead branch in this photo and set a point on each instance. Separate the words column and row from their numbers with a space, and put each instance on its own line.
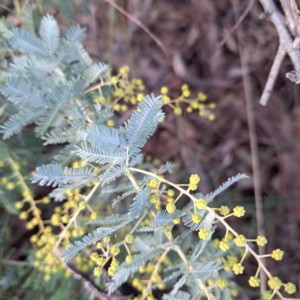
column 273, row 75
column 288, row 38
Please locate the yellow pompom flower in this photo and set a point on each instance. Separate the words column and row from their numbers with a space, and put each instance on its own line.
column 106, row 239
column 177, row 111
column 238, row 269
column 34, row 238
column 222, row 283
column 26, row 194
column 129, row 238
column 46, row 200
column 186, row 93
column 97, row 271
column 254, row 281
column 240, row 240
column 142, row 270
column 114, row 250
column 290, row 288
column 154, row 199
column 211, row 117
column 234, row 292
column 201, row 204
column 129, row 259
column 82, row 205
column 176, row 221
column 239, row 211
column 19, row 204
column 140, row 97
column 171, row 207
column 202, row 96
column 162, row 286
column 170, row 193
column 93, row 216
column 277, row 254
column 274, row 283
column 94, row 256
column 224, row 246
column 110, row 123
column 184, row 87
column 267, row 295
column 23, row 215
column 10, row 186
column 196, row 218
column 166, row 99
column 99, row 99
column 224, row 210
column 55, row 220
column 261, row 240
column 16, row 166
column 75, row 165
column 133, row 101
column 203, row 234
column 65, row 219
column 117, row 107
column 124, row 70
column 124, row 107
column 114, row 80
column 194, row 179
column 164, row 90
column 153, row 183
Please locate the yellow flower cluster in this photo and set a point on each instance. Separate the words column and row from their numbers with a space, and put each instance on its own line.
column 240, row 241
column 254, row 281
column 238, row 269
column 274, row 283
column 203, row 234
column 224, row 210
column 201, row 204
column 176, row 221
column 196, row 218
column 129, row 259
column 222, row 283
column 153, row 183
column 277, row 254
column 261, row 240
column 171, row 207
column 129, row 238
column 224, row 246
column 113, row 268
column 239, row 211
column 194, row 180
column 193, row 103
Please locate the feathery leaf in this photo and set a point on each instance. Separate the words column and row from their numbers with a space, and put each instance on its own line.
column 49, row 33
column 55, row 175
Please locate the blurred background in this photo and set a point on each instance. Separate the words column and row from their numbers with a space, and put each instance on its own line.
column 190, row 51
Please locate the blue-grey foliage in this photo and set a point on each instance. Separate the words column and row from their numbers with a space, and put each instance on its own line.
column 55, row 175
column 48, row 85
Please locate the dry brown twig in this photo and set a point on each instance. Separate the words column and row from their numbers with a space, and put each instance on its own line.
column 289, row 38
column 244, row 57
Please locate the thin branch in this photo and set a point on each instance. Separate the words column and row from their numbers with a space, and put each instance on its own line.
column 285, row 38
column 136, row 21
column 295, row 11
column 236, row 25
column 253, row 146
column 273, row 75
column 290, row 19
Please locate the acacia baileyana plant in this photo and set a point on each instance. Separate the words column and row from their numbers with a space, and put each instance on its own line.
column 116, row 214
